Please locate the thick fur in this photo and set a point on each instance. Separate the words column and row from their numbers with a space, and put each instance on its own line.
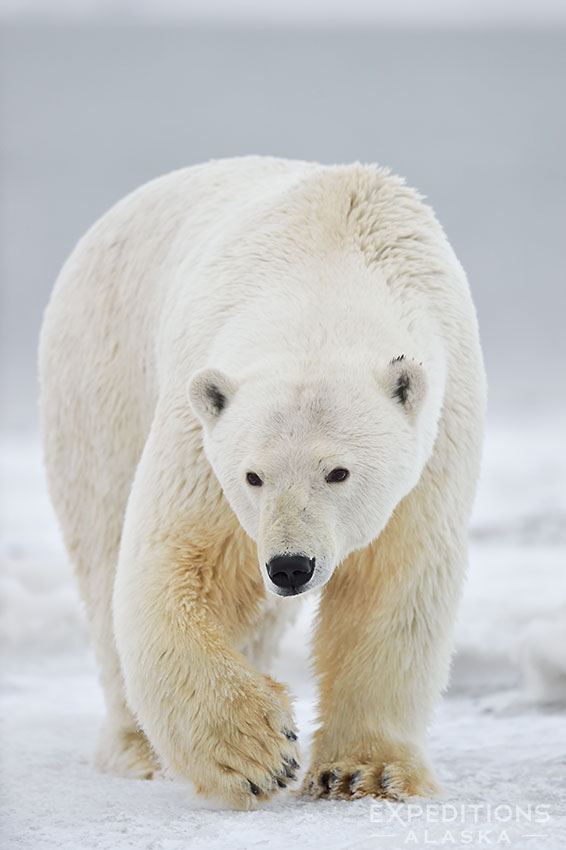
column 283, row 318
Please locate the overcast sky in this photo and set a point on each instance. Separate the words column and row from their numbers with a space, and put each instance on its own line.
column 328, row 12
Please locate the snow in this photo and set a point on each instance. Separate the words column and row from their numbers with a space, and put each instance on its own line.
column 498, row 741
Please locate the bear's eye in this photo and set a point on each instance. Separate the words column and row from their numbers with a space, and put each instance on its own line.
column 338, row 474
column 253, row 479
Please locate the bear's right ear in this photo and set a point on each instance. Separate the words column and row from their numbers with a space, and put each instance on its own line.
column 210, row 392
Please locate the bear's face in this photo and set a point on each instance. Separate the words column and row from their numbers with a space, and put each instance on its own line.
column 312, row 470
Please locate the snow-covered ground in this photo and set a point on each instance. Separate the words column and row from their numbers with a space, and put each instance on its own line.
column 499, row 742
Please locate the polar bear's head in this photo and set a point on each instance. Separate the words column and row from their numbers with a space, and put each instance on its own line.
column 312, row 469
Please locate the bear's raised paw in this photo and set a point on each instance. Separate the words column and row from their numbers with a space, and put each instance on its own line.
column 248, row 750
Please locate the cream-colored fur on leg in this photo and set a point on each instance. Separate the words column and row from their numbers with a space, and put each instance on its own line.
column 187, row 592
column 383, row 665
column 331, row 311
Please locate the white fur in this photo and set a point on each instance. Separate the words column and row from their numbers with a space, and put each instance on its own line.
column 292, row 288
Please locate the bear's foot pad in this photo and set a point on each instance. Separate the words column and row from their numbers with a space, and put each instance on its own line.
column 346, row 780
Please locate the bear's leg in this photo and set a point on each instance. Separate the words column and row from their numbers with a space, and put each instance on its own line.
column 262, row 645
column 122, row 748
column 187, row 591
column 90, row 496
column 382, row 653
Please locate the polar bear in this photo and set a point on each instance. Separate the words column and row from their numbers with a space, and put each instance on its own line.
column 260, row 377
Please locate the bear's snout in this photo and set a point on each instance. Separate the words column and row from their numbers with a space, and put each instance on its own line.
column 290, row 572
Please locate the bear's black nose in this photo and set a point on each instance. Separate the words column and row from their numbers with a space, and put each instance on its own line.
column 290, row 571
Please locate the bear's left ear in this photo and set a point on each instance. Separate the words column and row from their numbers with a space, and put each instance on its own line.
column 405, row 383
column 210, row 392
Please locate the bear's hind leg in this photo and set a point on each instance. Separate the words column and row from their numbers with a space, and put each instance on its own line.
column 91, row 523
column 123, row 748
column 93, row 433
column 263, row 646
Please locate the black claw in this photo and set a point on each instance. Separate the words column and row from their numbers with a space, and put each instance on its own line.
column 334, row 780
column 385, row 781
column 293, row 763
column 254, row 789
column 289, row 734
column 290, row 774
column 280, row 782
column 324, row 781
column 354, row 780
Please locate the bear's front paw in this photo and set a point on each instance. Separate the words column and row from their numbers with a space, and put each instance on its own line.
column 250, row 751
column 392, row 779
